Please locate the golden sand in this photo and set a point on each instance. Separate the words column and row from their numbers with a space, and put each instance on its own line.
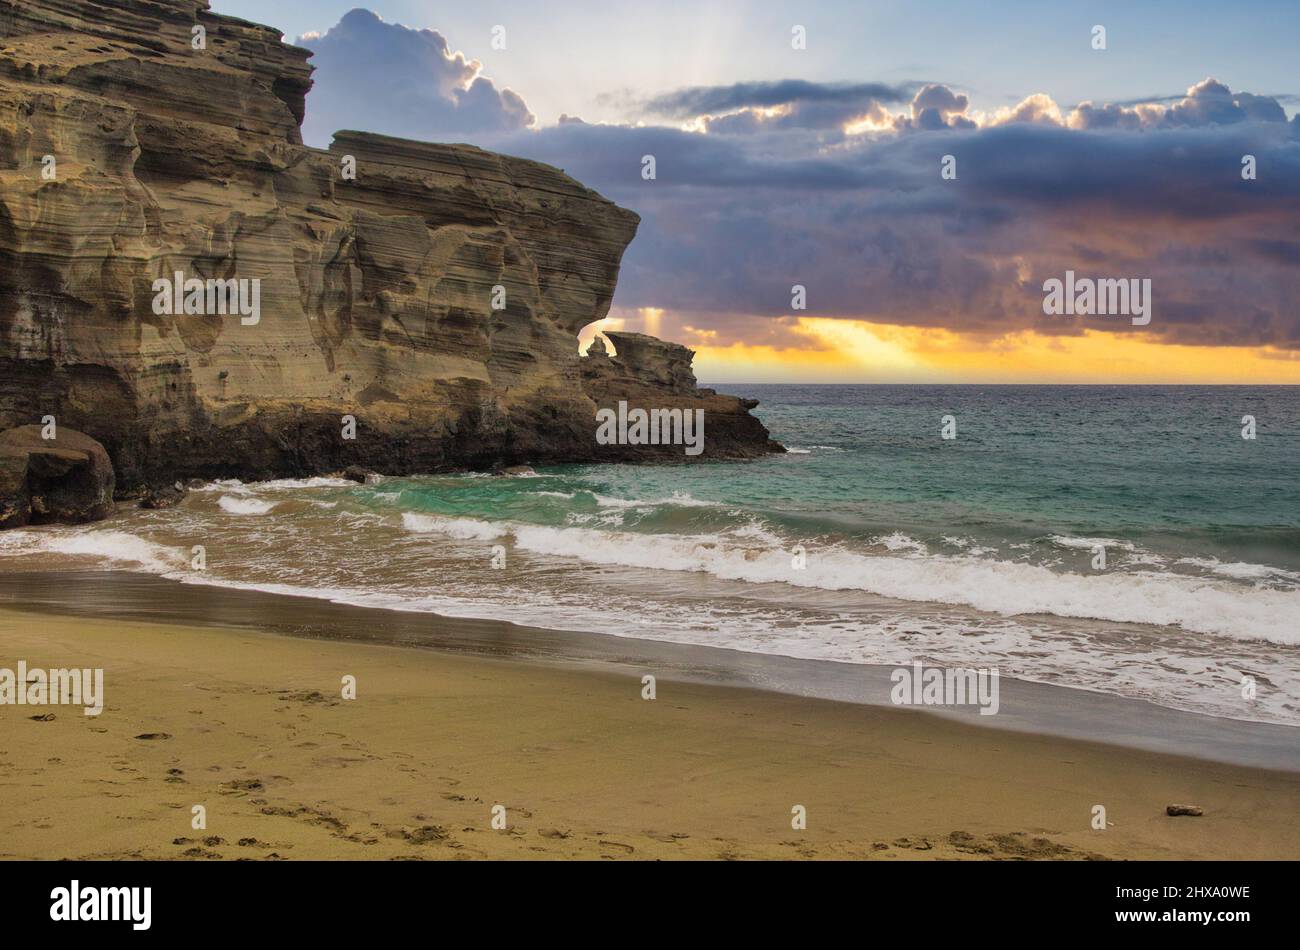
column 253, row 727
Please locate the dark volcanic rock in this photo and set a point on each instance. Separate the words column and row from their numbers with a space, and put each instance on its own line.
column 649, row 374
column 65, row 479
column 378, row 343
column 166, row 496
column 355, row 473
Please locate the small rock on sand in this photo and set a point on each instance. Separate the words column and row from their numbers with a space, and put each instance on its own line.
column 1174, row 811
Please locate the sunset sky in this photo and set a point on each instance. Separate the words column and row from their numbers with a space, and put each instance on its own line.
column 820, row 167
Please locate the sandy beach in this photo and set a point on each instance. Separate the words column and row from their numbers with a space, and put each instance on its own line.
column 253, row 727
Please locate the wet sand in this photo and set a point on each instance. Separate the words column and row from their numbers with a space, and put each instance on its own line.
column 1024, row 706
column 252, row 725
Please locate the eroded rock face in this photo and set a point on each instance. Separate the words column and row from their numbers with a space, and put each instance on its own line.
column 650, row 374
column 127, row 155
column 68, row 478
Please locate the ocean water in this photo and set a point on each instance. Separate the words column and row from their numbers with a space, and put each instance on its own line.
column 873, row 541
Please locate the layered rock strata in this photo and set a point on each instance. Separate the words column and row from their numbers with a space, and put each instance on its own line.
column 417, row 305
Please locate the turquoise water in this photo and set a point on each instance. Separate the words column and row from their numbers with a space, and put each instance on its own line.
column 1165, row 468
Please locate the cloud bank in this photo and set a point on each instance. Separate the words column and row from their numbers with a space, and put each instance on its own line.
column 838, row 187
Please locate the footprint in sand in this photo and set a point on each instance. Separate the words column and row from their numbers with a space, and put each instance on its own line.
column 967, row 843
column 200, row 853
column 238, row 786
column 667, row 837
column 309, row 696
column 1018, row 844
column 801, row 849
column 426, row 834
column 312, row 816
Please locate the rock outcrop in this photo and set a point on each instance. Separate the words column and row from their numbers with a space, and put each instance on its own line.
column 647, row 373
column 420, row 315
column 67, row 478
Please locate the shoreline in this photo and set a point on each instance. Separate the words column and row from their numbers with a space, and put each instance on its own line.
column 252, row 726
column 1026, row 706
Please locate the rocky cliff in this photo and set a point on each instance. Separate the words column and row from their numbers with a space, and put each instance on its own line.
column 424, row 299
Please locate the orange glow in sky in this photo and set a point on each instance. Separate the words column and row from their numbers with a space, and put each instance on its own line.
column 854, row 351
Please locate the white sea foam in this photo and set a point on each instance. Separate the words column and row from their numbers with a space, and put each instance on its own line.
column 1000, row 587
column 101, row 544
column 1218, row 605
column 679, row 499
column 294, row 484
column 756, row 531
column 233, row 486
column 908, row 573
column 1239, row 569
column 969, row 546
column 1090, row 543
column 464, row 529
column 900, row 542
column 244, row 505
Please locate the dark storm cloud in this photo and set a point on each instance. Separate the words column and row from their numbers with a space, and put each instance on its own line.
column 875, row 233
column 708, row 100
column 610, row 157
column 862, row 217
